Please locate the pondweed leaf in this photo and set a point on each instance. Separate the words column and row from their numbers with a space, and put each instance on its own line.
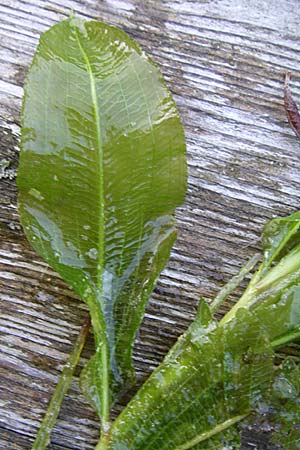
column 277, row 277
column 219, row 372
column 280, row 408
column 209, row 381
column 285, row 405
column 102, row 169
column 274, row 293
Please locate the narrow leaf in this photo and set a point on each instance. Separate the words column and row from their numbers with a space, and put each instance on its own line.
column 102, row 169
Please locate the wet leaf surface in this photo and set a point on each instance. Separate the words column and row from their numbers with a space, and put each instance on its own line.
column 102, row 169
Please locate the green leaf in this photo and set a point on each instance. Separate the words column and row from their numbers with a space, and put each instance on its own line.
column 285, row 406
column 208, row 382
column 280, row 407
column 102, row 169
column 279, row 236
column 277, row 276
column 280, row 315
column 277, row 293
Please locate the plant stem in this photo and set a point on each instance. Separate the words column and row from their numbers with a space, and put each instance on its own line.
column 261, row 282
column 233, row 283
column 286, row 266
column 103, row 443
column 285, row 339
column 64, row 381
column 102, row 364
column 105, row 423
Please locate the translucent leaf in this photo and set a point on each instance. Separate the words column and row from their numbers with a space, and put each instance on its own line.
column 285, row 402
column 280, row 314
column 273, row 291
column 102, row 169
column 280, row 408
column 280, row 235
column 207, row 383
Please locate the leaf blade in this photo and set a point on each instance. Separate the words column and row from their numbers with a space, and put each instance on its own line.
column 214, row 374
column 102, row 169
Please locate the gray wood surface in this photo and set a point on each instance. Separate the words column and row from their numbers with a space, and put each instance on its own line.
column 224, row 61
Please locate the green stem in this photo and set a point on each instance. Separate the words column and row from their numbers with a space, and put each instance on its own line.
column 286, row 339
column 233, row 283
column 287, row 266
column 102, row 361
column 43, row 436
column 103, row 443
column 105, row 422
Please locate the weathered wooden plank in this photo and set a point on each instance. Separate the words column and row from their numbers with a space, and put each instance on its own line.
column 224, row 61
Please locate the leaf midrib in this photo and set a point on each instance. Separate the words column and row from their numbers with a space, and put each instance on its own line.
column 209, row 434
column 100, row 262
column 99, row 161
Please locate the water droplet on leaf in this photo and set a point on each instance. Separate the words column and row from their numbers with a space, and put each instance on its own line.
column 92, row 253
column 36, row 194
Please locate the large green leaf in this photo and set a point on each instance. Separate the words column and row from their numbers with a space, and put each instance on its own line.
column 102, row 169
column 207, row 383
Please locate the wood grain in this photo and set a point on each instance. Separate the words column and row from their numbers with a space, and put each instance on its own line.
column 224, row 61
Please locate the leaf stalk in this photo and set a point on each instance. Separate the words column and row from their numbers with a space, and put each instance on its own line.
column 62, row 387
